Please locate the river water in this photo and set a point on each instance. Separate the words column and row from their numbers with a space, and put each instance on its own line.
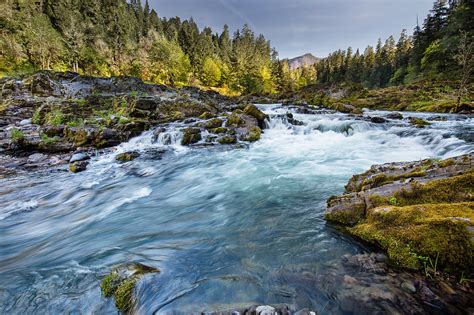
column 226, row 226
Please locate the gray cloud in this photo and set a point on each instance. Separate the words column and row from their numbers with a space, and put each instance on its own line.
column 299, row 26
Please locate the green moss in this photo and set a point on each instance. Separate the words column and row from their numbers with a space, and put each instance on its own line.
column 213, row 123
column 48, row 140
column 253, row 134
column 120, row 284
column 253, row 111
column 446, row 163
column 78, row 136
column 127, row 156
column 235, row 120
column 419, row 123
column 347, row 217
column 110, row 284
column 382, row 179
column 429, row 230
column 17, row 135
column 218, row 130
column 206, row 115
column 191, row 135
column 227, row 140
column 124, row 295
column 452, row 189
column 54, row 118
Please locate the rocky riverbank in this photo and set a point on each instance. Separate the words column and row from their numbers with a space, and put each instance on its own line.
column 52, row 119
column 421, row 213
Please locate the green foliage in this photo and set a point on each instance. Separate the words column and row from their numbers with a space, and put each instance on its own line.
column 211, row 72
column 16, row 135
column 48, row 140
column 54, row 118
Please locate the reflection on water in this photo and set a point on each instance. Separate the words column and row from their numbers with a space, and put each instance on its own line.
column 226, row 226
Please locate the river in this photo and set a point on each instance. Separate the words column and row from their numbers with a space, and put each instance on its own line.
column 226, row 226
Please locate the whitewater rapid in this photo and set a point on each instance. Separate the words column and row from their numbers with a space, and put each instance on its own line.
column 224, row 224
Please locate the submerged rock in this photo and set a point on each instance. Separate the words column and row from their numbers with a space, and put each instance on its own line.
column 127, row 156
column 416, row 211
column 378, row 120
column 418, row 122
column 79, row 166
column 394, row 115
column 120, row 283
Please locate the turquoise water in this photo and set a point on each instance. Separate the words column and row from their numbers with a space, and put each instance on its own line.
column 226, row 226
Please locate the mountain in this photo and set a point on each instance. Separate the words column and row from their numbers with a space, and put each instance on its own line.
column 301, row 61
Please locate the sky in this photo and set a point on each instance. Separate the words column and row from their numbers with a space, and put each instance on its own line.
column 296, row 27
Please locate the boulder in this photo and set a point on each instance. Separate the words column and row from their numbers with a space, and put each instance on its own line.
column 413, row 209
column 121, row 281
column 77, row 167
column 227, row 139
column 79, row 157
column 378, row 120
column 394, row 115
column 213, row 123
column 127, row 156
column 191, row 135
column 253, row 111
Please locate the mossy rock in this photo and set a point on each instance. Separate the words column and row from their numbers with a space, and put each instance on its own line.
column 235, row 120
column 418, row 122
column 78, row 136
column 206, row 115
column 127, row 156
column 78, row 166
column 227, row 140
column 191, row 135
column 254, row 133
column 253, row 111
column 121, row 282
column 219, row 130
column 213, row 123
column 441, row 232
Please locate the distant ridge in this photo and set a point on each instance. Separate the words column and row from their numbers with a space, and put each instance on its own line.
column 301, row 61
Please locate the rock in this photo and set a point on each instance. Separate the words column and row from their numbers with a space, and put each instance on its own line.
column 37, row 157
column 377, row 120
column 349, row 280
column 265, row 310
column 408, row 287
column 394, row 115
column 409, row 208
column 53, row 131
column 253, row 111
column 121, row 282
column 235, row 119
column 206, row 115
column 77, row 167
column 191, row 135
column 227, row 140
column 25, row 122
column 346, row 108
column 213, row 123
column 42, row 84
column 146, row 103
column 253, row 134
column 79, row 157
column 127, row 156
column 418, row 122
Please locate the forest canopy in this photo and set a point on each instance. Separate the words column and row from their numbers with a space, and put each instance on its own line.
column 116, row 37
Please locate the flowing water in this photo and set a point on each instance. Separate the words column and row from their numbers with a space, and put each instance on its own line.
column 226, row 226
